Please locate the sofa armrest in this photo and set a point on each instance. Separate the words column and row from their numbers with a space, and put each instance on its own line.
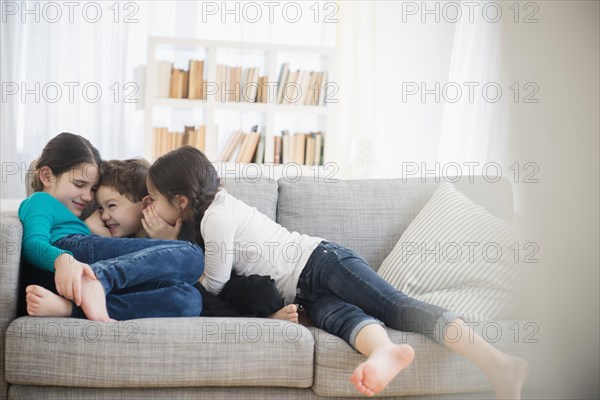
column 11, row 234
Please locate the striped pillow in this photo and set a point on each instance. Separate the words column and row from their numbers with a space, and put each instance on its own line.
column 457, row 255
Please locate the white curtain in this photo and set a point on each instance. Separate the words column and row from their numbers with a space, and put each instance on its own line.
column 471, row 126
column 382, row 49
column 354, row 114
column 107, row 55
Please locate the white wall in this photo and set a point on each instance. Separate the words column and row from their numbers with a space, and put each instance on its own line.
column 560, row 134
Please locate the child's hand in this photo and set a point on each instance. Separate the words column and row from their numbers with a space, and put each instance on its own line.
column 96, row 225
column 68, row 277
column 158, row 228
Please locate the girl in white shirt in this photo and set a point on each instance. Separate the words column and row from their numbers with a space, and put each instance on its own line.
column 340, row 292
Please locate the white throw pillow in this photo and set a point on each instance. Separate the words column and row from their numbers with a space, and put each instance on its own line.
column 457, row 255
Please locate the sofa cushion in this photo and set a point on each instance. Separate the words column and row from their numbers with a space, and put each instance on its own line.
column 369, row 216
column 159, row 352
column 435, row 368
column 259, row 193
column 457, row 255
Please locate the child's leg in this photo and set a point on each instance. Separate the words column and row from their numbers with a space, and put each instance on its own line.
column 345, row 275
column 175, row 260
column 42, row 302
column 156, row 261
column 166, row 298
column 92, row 248
column 286, row 313
column 385, row 359
column 368, row 336
column 506, row 373
column 159, row 299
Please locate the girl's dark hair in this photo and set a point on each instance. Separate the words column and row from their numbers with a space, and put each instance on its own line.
column 62, row 153
column 187, row 171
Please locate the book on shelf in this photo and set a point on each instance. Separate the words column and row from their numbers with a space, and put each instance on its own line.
column 185, row 80
column 246, row 147
column 176, row 87
column 309, row 158
column 299, row 147
column 196, row 80
column 163, row 78
column 231, row 144
column 269, row 156
column 237, row 84
column 322, row 86
column 259, row 155
column 283, row 77
column 164, row 140
column 262, row 95
column 301, row 87
column 285, row 147
column 250, row 85
column 277, row 150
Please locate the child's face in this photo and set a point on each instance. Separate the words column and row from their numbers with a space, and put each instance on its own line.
column 165, row 209
column 121, row 216
column 73, row 188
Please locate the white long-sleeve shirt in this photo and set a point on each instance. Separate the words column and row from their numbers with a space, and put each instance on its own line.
column 239, row 237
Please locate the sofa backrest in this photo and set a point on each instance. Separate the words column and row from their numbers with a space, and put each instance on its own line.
column 261, row 193
column 369, row 216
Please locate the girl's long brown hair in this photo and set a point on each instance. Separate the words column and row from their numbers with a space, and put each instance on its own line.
column 187, row 171
column 63, row 152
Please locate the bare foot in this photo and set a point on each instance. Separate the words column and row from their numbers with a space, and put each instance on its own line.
column 384, row 363
column 287, row 313
column 509, row 379
column 43, row 303
column 93, row 300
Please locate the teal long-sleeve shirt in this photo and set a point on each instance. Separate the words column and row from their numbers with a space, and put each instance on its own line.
column 46, row 220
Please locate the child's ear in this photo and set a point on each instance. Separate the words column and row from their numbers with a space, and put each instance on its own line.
column 182, row 201
column 46, row 176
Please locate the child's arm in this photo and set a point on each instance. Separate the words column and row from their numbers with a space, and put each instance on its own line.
column 218, row 232
column 68, row 276
column 158, row 228
column 38, row 215
column 96, row 225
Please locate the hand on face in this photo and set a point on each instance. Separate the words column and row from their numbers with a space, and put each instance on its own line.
column 156, row 227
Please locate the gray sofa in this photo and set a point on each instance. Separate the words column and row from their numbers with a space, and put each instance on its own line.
column 227, row 358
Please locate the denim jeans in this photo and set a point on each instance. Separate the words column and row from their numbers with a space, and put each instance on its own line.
column 143, row 278
column 342, row 295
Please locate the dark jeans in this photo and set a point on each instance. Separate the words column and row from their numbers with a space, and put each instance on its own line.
column 143, row 278
column 342, row 295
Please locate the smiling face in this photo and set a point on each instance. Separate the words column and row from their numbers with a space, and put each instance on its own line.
column 74, row 188
column 121, row 216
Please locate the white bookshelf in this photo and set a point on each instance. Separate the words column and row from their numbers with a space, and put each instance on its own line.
column 271, row 55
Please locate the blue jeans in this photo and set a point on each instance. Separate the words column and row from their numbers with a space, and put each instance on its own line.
column 342, row 295
column 143, row 278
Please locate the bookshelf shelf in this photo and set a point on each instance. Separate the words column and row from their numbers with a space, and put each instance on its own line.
column 271, row 56
column 258, row 107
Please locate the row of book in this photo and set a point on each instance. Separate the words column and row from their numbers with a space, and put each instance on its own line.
column 299, row 148
column 301, row 87
column 237, row 84
column 240, row 85
column 178, row 83
column 244, row 147
column 165, row 140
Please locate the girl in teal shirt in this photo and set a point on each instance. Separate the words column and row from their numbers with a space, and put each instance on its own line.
column 97, row 277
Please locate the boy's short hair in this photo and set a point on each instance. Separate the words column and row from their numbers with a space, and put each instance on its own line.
column 128, row 177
